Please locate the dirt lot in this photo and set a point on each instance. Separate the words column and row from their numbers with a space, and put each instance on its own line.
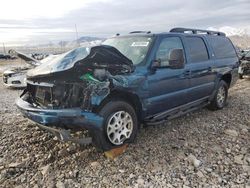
column 201, row 149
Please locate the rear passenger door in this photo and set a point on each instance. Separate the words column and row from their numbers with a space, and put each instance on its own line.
column 200, row 68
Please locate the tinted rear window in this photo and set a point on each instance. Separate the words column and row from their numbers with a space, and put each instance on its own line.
column 222, row 47
column 197, row 49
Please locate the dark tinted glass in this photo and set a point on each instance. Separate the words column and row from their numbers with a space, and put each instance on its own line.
column 222, row 47
column 197, row 49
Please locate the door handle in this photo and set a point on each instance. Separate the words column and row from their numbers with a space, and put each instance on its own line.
column 186, row 72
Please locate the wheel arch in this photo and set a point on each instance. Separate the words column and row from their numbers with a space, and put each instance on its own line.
column 126, row 96
column 227, row 78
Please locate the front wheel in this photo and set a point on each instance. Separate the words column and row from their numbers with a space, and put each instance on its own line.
column 120, row 125
column 220, row 98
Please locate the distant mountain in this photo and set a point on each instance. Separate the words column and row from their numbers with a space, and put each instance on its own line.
column 232, row 31
column 84, row 41
column 242, row 42
column 59, row 47
column 89, row 39
column 239, row 36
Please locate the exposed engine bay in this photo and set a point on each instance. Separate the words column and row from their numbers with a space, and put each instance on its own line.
column 67, row 95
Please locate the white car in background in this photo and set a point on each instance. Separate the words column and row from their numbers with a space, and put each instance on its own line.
column 16, row 77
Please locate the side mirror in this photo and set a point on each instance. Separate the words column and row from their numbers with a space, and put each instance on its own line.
column 176, row 59
column 156, row 64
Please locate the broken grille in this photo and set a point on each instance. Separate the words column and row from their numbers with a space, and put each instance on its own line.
column 62, row 96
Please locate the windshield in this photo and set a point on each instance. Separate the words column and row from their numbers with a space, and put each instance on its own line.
column 135, row 47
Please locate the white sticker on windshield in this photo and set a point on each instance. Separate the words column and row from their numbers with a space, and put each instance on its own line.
column 140, row 44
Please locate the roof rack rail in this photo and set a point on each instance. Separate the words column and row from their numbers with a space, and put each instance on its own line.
column 133, row 32
column 196, row 31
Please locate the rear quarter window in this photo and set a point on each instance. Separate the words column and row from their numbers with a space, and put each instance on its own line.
column 222, row 47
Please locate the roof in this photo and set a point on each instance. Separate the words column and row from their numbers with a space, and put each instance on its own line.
column 183, row 31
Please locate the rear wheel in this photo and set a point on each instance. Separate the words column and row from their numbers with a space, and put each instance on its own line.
column 120, row 125
column 220, row 98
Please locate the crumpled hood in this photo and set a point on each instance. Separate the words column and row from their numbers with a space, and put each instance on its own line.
column 100, row 57
column 29, row 60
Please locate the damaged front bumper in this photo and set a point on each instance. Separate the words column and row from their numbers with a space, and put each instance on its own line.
column 71, row 118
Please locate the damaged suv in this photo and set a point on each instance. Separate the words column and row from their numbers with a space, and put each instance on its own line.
column 111, row 89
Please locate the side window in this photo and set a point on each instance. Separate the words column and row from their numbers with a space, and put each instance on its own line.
column 222, row 47
column 197, row 49
column 165, row 48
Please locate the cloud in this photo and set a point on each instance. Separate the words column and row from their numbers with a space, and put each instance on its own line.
column 107, row 17
column 30, row 9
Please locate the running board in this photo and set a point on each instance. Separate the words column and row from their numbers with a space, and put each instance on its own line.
column 176, row 112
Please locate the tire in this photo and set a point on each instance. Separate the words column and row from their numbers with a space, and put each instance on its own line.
column 120, row 119
column 240, row 76
column 220, row 97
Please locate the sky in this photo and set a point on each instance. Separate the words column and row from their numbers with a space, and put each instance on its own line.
column 45, row 21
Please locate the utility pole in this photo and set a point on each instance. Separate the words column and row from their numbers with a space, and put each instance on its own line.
column 4, row 50
column 78, row 44
column 61, row 46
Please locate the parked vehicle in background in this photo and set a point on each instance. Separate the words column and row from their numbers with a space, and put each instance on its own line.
column 244, row 68
column 242, row 53
column 147, row 78
column 16, row 77
column 6, row 56
column 39, row 56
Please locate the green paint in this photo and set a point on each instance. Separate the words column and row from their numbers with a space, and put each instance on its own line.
column 89, row 77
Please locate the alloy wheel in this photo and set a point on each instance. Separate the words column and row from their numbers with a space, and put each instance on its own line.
column 119, row 127
column 221, row 96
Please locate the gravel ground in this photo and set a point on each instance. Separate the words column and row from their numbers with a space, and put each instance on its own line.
column 201, row 149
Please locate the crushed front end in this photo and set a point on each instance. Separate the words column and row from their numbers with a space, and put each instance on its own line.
column 61, row 104
column 61, row 107
column 61, row 97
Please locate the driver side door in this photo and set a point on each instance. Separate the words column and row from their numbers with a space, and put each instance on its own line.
column 167, row 87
